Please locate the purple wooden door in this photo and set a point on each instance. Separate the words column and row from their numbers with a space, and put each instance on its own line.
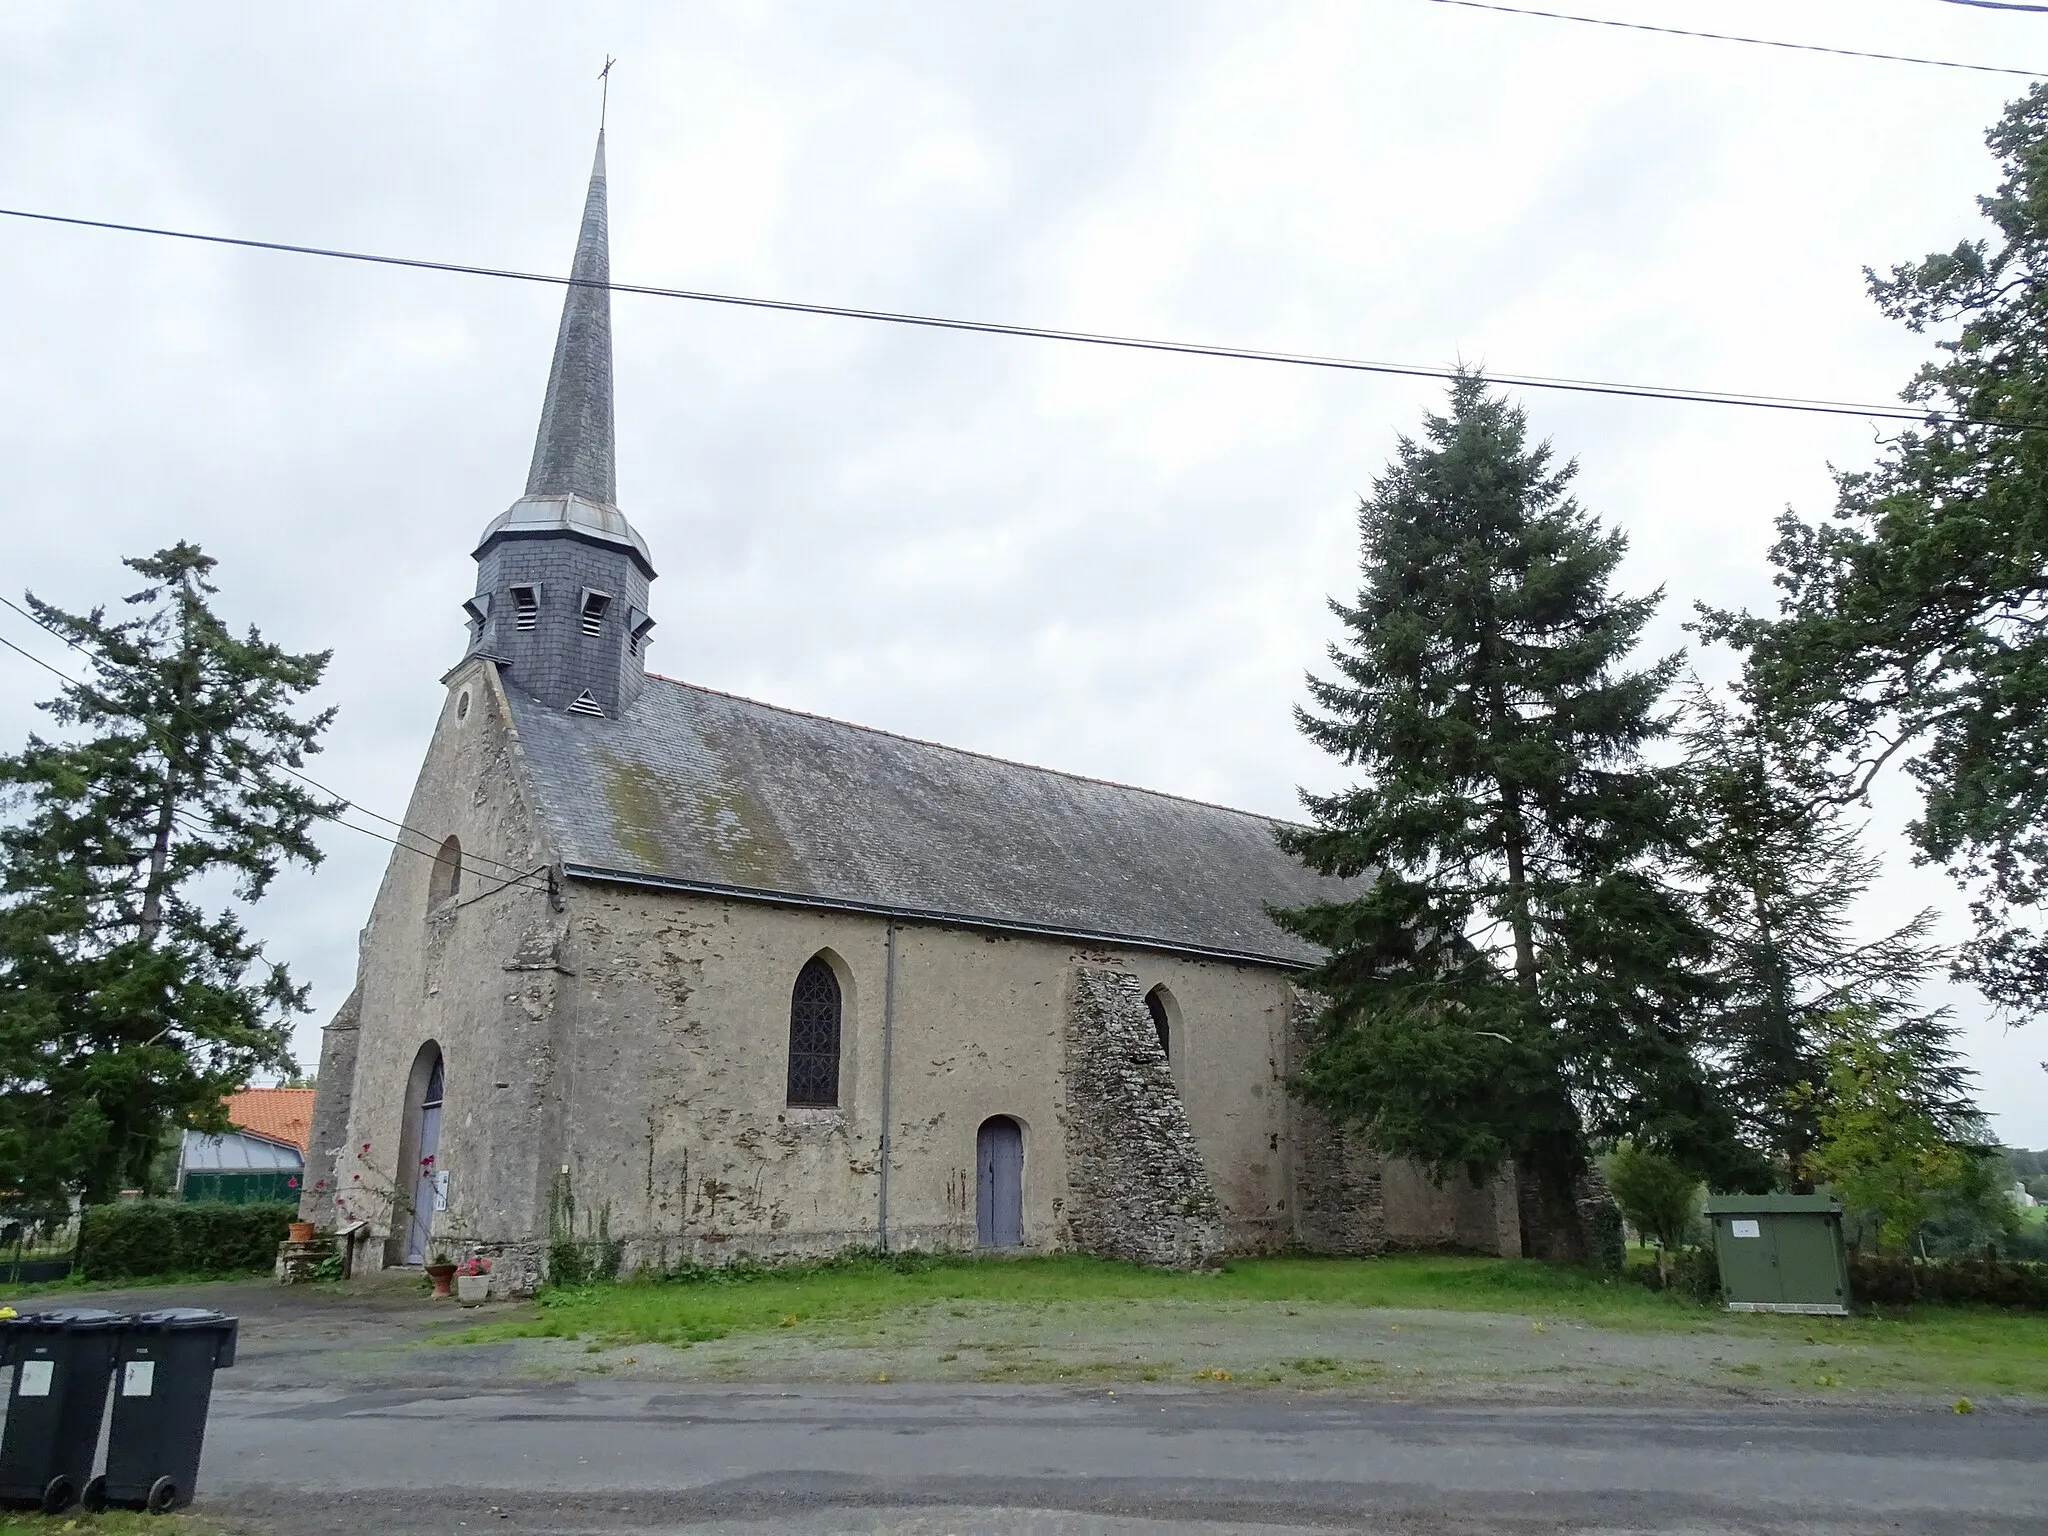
column 999, row 1184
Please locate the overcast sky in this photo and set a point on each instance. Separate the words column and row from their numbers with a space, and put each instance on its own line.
column 1106, row 563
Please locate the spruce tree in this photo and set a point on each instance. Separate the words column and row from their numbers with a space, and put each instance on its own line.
column 1782, row 868
column 1519, row 976
column 126, row 1007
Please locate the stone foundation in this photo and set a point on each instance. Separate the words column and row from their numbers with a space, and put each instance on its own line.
column 1138, row 1189
column 298, row 1263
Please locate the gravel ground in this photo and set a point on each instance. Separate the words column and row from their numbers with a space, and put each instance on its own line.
column 389, row 1334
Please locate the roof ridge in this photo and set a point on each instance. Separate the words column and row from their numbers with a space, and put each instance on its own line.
column 986, row 757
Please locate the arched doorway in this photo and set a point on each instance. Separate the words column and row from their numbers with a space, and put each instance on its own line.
column 999, row 1183
column 423, row 1180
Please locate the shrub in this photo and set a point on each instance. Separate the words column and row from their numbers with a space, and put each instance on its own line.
column 143, row 1238
column 1696, row 1272
column 1884, row 1281
column 1691, row 1272
column 1607, row 1239
column 1658, row 1197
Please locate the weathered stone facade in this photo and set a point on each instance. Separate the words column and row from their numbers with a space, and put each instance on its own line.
column 629, row 1044
column 1353, row 1201
column 328, row 1136
column 588, row 946
column 1139, row 1190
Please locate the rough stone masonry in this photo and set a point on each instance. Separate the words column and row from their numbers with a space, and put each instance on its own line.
column 1140, row 1191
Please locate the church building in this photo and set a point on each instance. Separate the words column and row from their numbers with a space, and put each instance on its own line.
column 684, row 977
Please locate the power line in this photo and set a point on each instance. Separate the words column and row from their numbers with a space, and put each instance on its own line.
column 1998, row 5
column 304, row 778
column 1765, row 42
column 1082, row 338
column 518, row 877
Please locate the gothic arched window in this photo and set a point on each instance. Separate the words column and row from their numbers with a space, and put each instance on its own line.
column 814, row 1036
column 1162, row 1021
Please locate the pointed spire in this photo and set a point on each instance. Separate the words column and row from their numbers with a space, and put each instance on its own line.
column 572, row 453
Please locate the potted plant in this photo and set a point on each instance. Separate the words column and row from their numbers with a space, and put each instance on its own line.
column 440, row 1269
column 473, row 1281
column 300, row 1232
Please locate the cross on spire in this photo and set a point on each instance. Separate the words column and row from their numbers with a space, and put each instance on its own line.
column 604, row 81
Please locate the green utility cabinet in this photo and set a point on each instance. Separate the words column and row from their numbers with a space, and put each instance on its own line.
column 1781, row 1253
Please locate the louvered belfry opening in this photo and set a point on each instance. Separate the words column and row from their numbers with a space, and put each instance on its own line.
column 814, row 1037
column 525, row 608
column 594, row 605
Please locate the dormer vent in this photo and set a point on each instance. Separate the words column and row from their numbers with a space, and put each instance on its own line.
column 478, row 609
column 525, row 608
column 594, row 605
column 586, row 705
column 638, row 626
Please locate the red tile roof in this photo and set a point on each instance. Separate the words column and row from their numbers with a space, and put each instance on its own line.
column 277, row 1114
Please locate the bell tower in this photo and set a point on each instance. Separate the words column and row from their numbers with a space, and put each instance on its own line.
column 562, row 578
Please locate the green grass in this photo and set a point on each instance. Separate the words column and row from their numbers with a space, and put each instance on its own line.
column 73, row 1285
column 709, row 1304
column 1943, row 1350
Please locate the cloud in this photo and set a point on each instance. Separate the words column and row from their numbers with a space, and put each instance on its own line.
column 1110, row 564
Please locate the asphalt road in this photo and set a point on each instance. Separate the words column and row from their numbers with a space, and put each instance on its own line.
column 639, row 1457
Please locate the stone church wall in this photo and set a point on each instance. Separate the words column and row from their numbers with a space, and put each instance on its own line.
column 327, row 1137
column 1352, row 1201
column 680, row 1138
column 624, row 1049
column 1421, row 1212
column 1139, row 1190
column 476, row 975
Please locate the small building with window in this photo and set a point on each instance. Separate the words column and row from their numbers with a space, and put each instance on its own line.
column 706, row 977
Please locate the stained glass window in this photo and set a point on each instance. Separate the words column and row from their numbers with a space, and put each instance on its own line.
column 814, row 1036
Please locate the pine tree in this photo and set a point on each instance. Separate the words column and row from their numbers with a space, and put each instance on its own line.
column 1519, row 976
column 125, row 1006
column 1782, row 867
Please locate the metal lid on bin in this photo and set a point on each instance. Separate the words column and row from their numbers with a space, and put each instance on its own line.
column 1770, row 1205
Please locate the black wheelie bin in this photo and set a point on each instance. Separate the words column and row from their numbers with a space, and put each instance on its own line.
column 61, row 1363
column 163, row 1382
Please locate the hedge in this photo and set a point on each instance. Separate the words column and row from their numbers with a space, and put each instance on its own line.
column 1985, row 1282
column 142, row 1238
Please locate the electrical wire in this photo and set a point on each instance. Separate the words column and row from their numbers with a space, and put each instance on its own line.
column 1763, row 42
column 304, row 778
column 518, row 876
column 192, row 823
column 1797, row 403
column 1998, row 5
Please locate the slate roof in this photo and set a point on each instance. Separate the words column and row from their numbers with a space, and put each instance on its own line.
column 705, row 791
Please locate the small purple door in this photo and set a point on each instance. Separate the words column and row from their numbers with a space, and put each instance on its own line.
column 999, row 1184
column 427, row 1186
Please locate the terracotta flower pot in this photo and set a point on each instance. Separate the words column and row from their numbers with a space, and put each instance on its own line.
column 301, row 1231
column 440, row 1274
